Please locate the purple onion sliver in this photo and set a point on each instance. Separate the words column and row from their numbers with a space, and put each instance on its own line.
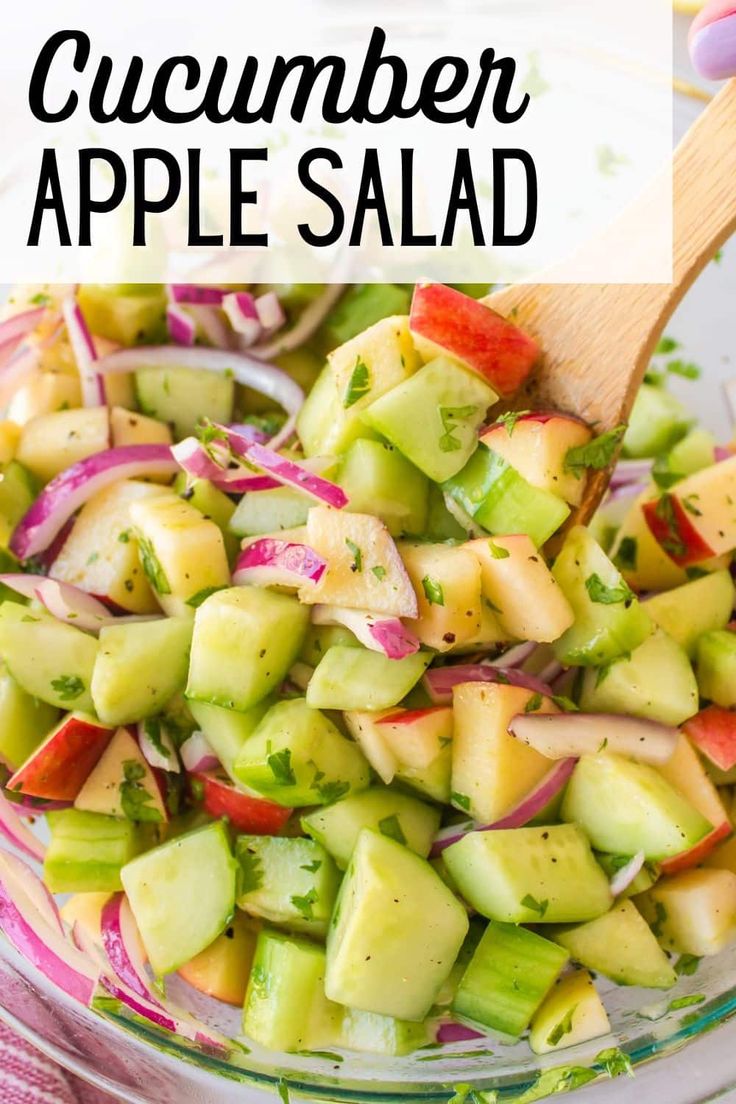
column 182, row 329
column 198, row 294
column 439, row 681
column 623, row 878
column 515, row 656
column 457, row 1033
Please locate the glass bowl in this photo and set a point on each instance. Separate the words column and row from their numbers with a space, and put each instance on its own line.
column 134, row 1061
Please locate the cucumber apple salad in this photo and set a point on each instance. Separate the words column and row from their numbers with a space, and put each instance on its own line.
column 314, row 716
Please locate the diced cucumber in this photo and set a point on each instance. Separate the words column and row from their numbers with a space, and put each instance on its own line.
column 694, row 452
column 24, row 721
column 270, row 511
column 228, row 729
column 297, row 756
column 627, row 807
column 130, row 314
column 325, row 427
column 656, row 681
column 17, row 492
column 319, row 640
column 88, row 851
column 509, row 976
column 51, row 660
column 285, row 1005
column 394, row 814
column 540, row 875
column 139, row 668
column 356, row 678
column 395, row 932
column 379, row 480
column 292, row 883
column 434, row 416
column 499, row 499
column 715, row 667
column 185, row 396
column 432, row 781
column 620, row 946
column 572, row 1013
column 441, row 525
column 359, row 308
column 182, row 895
column 214, row 504
column 374, row 1034
column 693, row 912
column 644, row 880
column 609, row 621
column 245, row 640
column 688, row 611
column 657, row 421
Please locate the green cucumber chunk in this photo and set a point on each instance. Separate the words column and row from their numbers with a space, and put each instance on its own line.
column 378, row 480
column 508, row 977
column 270, row 511
column 297, row 756
column 621, row 946
column 87, row 851
column 130, row 314
column 687, row 612
column 658, row 420
column 499, row 499
column 395, row 932
column 389, row 812
column 227, row 729
column 359, row 308
column 716, row 667
column 626, row 807
column 24, row 721
column 384, row 1035
column 185, row 397
column 319, row 640
column 291, row 883
column 51, row 660
column 17, row 493
column 542, row 875
column 356, row 678
column 324, row 426
column 139, row 668
column 182, row 895
column 434, row 416
column 609, row 621
column 245, row 640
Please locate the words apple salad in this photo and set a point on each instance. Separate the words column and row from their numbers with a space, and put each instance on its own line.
column 313, row 715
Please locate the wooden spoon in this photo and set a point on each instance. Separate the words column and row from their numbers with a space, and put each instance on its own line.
column 598, row 339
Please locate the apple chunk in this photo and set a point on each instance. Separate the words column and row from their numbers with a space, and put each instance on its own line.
column 697, row 518
column 713, row 731
column 58, row 769
column 444, row 321
column 246, row 810
column 537, row 445
column 122, row 784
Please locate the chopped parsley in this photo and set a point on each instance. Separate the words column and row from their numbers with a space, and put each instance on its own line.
column 332, row 791
column 567, row 705
column 564, row 1027
column 40, row 299
column 135, row 800
column 685, row 1002
column 597, row 454
column 433, row 591
column 687, row 964
column 497, row 551
column 124, row 537
column 251, row 871
column 152, row 729
column 279, row 763
column 154, row 572
column 68, row 687
column 283, row 1090
column 660, row 917
column 379, row 572
column 202, row 595
column 391, row 827
column 450, row 417
column 673, row 543
column 627, row 553
column 536, row 906
column 357, row 564
column 359, row 384
column 304, row 904
column 685, row 369
column 534, row 704
column 605, row 595
column 462, row 801
column 614, row 1062
column 666, row 345
column 311, row 867
column 510, row 419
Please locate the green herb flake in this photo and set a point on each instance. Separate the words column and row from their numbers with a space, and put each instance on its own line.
column 68, row 687
column 666, row 345
column 40, row 299
column 283, row 1090
column 379, row 572
column 333, row 791
column 461, row 801
column 609, row 162
column 135, row 800
column 690, row 506
column 152, row 568
column 673, row 543
column 311, row 867
column 687, row 965
column 280, row 766
column 433, row 591
column 359, row 384
column 251, row 871
column 605, row 595
column 615, row 1062
column 497, row 552
column 663, row 475
column 510, row 419
column 685, row 1002
column 564, row 1027
column 536, row 906
column 304, row 904
column 694, row 572
column 202, row 595
column 567, row 705
column 92, row 558
column 325, row 1055
column 626, row 554
column 391, row 827
column 450, row 417
column 660, row 917
column 357, row 564
column 124, row 537
column 596, row 455
column 534, row 704
column 684, row 369
column 152, row 729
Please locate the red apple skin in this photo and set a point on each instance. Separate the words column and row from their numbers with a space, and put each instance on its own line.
column 246, row 814
column 677, row 535
column 58, row 769
column 687, row 859
column 713, row 731
column 410, row 716
column 474, row 334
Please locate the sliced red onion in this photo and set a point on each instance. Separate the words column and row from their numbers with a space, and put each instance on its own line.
column 165, row 1016
column 439, row 681
column 84, row 942
column 62, row 600
column 25, row 805
column 463, row 518
column 195, row 460
column 552, row 671
column 529, row 807
column 214, row 328
column 307, row 324
column 198, row 294
column 514, row 657
column 182, row 329
column 19, row 367
column 17, row 833
column 271, row 562
column 197, row 755
column 83, row 347
column 722, row 452
column 67, row 492
column 270, row 313
column 18, row 872
column 242, row 313
column 32, row 935
column 631, row 471
column 15, row 328
column 296, row 475
column 558, row 735
column 617, row 493
column 248, row 432
column 246, row 368
column 124, row 947
column 457, row 1033
column 387, row 635
column 160, row 754
column 623, row 878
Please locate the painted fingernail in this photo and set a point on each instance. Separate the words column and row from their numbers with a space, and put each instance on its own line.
column 713, row 49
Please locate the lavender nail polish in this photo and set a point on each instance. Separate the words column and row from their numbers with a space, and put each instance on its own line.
column 713, row 49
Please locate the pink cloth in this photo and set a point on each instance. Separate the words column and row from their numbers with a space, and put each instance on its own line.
column 29, row 1077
